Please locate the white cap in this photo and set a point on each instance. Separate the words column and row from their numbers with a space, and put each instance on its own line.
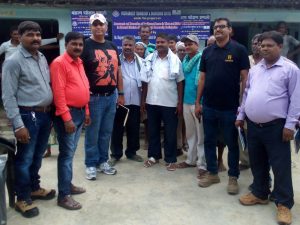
column 97, row 16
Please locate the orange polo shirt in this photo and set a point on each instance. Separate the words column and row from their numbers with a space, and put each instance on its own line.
column 70, row 85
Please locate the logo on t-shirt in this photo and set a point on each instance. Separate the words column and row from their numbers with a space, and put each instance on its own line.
column 107, row 67
column 229, row 58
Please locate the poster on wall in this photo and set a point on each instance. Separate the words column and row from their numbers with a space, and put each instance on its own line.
column 80, row 20
column 170, row 22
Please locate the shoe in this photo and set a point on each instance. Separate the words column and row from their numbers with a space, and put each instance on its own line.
column 77, row 190
column 106, row 169
column 113, row 161
column 27, row 208
column 43, row 194
column 184, row 165
column 233, row 186
column 243, row 167
column 171, row 166
column 284, row 215
column 91, row 173
column 69, row 203
column 201, row 173
column 208, row 179
column 136, row 158
column 251, row 199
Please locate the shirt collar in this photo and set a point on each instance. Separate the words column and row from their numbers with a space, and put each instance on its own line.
column 70, row 59
column 27, row 54
column 227, row 46
column 280, row 62
column 122, row 56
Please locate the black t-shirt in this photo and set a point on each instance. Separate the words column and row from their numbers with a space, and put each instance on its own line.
column 101, row 62
column 222, row 68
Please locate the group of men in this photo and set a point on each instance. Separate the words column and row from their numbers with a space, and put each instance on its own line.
column 91, row 85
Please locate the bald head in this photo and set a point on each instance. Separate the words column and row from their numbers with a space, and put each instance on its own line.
column 211, row 40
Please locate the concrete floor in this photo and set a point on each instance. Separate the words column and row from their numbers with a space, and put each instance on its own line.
column 151, row 196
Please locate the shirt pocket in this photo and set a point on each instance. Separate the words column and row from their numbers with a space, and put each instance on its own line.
column 276, row 86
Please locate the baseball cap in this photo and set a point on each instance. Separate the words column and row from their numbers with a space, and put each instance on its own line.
column 97, row 16
column 192, row 38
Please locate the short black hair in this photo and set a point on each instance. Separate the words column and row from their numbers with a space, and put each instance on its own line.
column 128, row 37
column 12, row 29
column 145, row 26
column 225, row 19
column 274, row 35
column 28, row 25
column 172, row 37
column 163, row 36
column 73, row 36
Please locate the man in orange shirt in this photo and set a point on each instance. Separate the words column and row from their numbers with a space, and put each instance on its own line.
column 71, row 95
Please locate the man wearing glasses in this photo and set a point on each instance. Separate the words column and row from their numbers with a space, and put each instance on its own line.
column 223, row 66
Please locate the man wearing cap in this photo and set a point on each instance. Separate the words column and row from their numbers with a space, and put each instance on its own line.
column 223, row 66
column 194, row 133
column 27, row 97
column 102, row 67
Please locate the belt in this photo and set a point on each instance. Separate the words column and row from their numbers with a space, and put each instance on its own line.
column 268, row 124
column 36, row 108
column 109, row 93
column 78, row 108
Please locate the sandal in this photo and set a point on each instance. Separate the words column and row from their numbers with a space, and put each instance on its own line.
column 184, row 165
column 43, row 194
column 150, row 162
column 171, row 166
column 69, row 203
column 77, row 190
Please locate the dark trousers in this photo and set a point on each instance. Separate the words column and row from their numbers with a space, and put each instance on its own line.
column 266, row 149
column 132, row 128
column 28, row 159
column 213, row 120
column 168, row 116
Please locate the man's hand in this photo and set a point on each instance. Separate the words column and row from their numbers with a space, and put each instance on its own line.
column 239, row 123
column 22, row 135
column 87, row 120
column 121, row 100
column 143, row 107
column 179, row 109
column 198, row 110
column 70, row 127
column 287, row 135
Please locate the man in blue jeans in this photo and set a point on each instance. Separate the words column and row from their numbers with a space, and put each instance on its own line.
column 102, row 67
column 223, row 66
column 27, row 97
column 71, row 96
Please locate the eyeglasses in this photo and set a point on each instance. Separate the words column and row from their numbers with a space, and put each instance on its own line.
column 221, row 27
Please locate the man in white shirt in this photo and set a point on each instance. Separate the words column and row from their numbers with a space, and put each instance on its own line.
column 162, row 94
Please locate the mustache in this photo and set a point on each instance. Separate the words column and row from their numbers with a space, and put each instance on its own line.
column 36, row 42
column 77, row 50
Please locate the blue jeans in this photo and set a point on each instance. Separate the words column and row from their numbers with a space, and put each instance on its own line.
column 213, row 120
column 156, row 114
column 98, row 134
column 28, row 159
column 67, row 147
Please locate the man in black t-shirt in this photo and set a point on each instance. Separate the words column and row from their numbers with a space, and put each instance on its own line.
column 223, row 66
column 102, row 67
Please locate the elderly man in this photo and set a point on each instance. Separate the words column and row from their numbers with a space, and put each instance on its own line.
column 27, row 97
column 102, row 67
column 71, row 96
column 131, row 65
column 194, row 133
column 162, row 92
column 271, row 107
column 223, row 66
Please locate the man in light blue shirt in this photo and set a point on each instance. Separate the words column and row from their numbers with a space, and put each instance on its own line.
column 131, row 65
column 194, row 133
